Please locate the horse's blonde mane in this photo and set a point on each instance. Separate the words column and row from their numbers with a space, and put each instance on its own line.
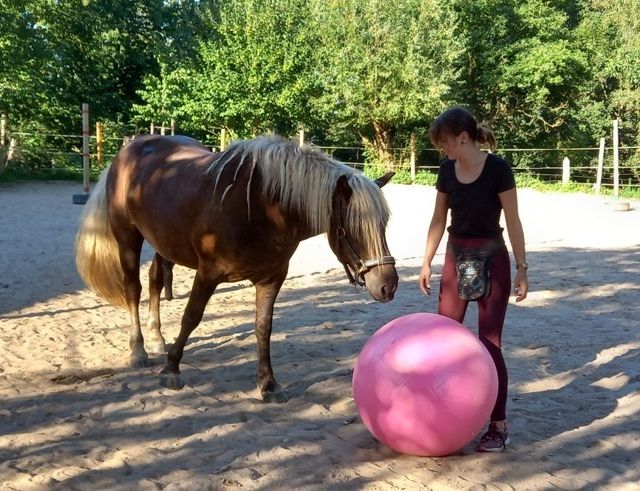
column 303, row 180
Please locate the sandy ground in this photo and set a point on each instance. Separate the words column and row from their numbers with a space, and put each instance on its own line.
column 74, row 416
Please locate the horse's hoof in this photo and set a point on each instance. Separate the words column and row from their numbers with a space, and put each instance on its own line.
column 171, row 380
column 277, row 395
column 156, row 347
column 139, row 361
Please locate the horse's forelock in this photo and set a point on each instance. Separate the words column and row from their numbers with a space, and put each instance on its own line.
column 368, row 214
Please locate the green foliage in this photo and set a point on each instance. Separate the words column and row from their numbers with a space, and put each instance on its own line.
column 56, row 55
column 402, row 175
column 523, row 70
column 610, row 35
column 25, row 173
column 426, row 178
column 524, row 180
column 114, row 135
column 256, row 72
column 351, row 72
column 383, row 66
column 166, row 97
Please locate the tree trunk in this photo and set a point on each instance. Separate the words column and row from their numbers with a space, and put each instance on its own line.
column 380, row 147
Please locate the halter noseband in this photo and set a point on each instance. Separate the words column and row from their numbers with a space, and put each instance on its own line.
column 357, row 267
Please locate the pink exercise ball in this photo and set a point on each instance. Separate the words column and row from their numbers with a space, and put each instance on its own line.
column 424, row 385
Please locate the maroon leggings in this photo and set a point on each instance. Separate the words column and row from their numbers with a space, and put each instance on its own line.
column 491, row 310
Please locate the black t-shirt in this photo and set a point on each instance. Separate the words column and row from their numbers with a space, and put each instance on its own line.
column 475, row 207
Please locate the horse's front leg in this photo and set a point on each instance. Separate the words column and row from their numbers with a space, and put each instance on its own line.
column 157, row 278
column 203, row 288
column 266, row 294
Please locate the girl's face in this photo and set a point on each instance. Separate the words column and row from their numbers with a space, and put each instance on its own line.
column 451, row 145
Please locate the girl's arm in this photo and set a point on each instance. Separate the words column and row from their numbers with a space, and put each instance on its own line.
column 434, row 236
column 509, row 200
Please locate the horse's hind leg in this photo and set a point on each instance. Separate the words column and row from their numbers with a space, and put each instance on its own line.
column 130, row 245
column 157, row 277
column 266, row 294
column 167, row 273
column 203, row 288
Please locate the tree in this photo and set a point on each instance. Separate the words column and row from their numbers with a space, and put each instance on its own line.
column 384, row 66
column 255, row 73
column 22, row 44
column 610, row 34
column 171, row 92
column 616, row 70
column 58, row 55
column 524, row 69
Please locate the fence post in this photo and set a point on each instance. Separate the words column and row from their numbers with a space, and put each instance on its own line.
column 3, row 130
column 616, row 169
column 99, row 143
column 301, row 137
column 151, row 129
column 162, row 128
column 12, row 150
column 4, row 157
column 173, row 126
column 81, row 198
column 600, row 166
column 412, row 144
column 223, row 139
column 566, row 170
column 85, row 146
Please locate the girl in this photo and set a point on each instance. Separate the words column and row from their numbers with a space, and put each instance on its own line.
column 476, row 186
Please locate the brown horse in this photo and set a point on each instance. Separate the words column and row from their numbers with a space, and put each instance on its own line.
column 235, row 215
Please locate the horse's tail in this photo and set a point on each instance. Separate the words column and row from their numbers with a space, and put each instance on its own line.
column 97, row 257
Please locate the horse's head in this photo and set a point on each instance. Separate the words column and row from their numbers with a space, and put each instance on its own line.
column 357, row 235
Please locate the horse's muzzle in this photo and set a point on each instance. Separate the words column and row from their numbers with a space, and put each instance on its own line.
column 382, row 282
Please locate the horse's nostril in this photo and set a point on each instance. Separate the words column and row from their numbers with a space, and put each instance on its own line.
column 387, row 291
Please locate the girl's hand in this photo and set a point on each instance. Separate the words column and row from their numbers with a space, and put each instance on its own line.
column 520, row 285
column 425, row 279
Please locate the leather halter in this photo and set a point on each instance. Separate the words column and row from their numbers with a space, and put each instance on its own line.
column 356, row 267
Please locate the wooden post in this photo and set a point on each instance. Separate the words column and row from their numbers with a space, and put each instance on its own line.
column 162, row 129
column 600, row 166
column 173, row 126
column 223, row 139
column 566, row 171
column 85, row 147
column 3, row 130
column 616, row 170
column 151, row 129
column 412, row 159
column 6, row 153
column 99, row 143
column 301, row 137
column 81, row 198
column 12, row 150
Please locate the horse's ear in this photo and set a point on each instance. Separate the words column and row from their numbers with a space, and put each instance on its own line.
column 381, row 181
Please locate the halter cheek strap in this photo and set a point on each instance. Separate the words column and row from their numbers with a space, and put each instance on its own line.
column 357, row 267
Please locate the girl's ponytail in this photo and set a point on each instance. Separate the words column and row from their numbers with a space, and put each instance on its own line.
column 485, row 136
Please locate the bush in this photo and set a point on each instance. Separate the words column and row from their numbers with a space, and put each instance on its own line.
column 402, row 175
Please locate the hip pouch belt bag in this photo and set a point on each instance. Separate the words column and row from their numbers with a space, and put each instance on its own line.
column 473, row 269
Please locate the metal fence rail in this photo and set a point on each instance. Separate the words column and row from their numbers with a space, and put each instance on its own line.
column 64, row 151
